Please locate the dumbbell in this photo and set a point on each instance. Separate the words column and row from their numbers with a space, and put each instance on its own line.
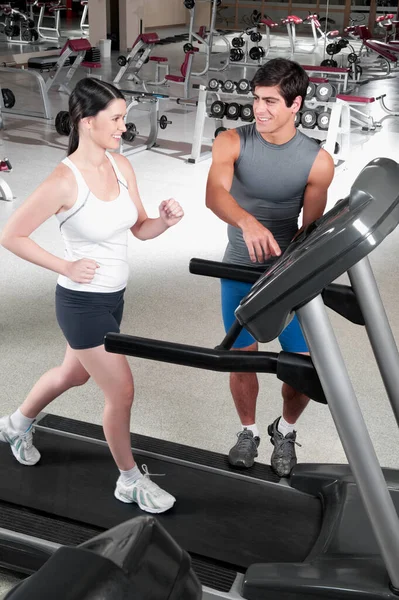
column 219, row 130
column 217, row 109
column 323, row 119
column 247, row 112
column 309, row 119
column 163, row 122
column 325, row 91
column 130, row 133
column 257, row 52
column 63, row 123
column 333, row 48
column 256, row 36
column 329, row 62
column 352, row 58
column 232, row 111
column 228, row 86
column 8, row 98
column 343, row 43
column 189, row 4
column 243, row 86
column 238, row 42
column 214, row 84
column 122, row 61
column 236, row 54
column 311, row 90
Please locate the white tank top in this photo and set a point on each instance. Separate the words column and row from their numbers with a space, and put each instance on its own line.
column 97, row 229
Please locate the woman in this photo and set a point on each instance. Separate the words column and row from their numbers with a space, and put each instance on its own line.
column 94, row 196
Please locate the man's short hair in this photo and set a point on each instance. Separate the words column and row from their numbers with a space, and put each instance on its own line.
column 288, row 75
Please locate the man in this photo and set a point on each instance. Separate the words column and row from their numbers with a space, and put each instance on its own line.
column 262, row 176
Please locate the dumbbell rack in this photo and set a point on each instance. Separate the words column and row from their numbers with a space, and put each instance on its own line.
column 202, row 114
column 248, row 44
column 337, row 136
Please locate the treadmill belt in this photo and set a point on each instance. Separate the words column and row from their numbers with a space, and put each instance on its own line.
column 229, row 519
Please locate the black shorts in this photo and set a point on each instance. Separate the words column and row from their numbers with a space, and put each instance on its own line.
column 85, row 317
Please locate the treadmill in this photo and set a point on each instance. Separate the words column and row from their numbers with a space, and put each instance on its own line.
column 333, row 532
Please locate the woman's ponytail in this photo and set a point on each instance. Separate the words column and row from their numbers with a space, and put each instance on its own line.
column 73, row 141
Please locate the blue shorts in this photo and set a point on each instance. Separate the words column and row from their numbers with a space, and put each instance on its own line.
column 291, row 339
column 85, row 317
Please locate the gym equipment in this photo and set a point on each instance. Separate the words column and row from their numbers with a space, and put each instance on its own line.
column 49, row 11
column 5, row 190
column 135, row 559
column 228, row 86
column 59, row 77
column 356, row 553
column 84, row 21
column 309, row 118
column 214, row 84
column 138, row 56
column 247, row 112
column 325, row 91
column 18, row 27
column 130, row 133
column 8, row 98
column 236, row 55
column 218, row 109
column 243, row 86
column 372, row 55
column 256, row 53
column 323, row 119
column 219, row 130
column 210, row 105
column 233, row 111
column 324, row 547
column 206, row 39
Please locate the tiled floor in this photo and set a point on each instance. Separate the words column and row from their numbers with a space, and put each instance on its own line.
column 164, row 301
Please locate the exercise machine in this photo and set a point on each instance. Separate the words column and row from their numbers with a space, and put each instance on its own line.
column 137, row 559
column 339, row 535
column 356, row 553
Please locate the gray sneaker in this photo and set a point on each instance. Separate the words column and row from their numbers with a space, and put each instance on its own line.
column 245, row 451
column 283, row 459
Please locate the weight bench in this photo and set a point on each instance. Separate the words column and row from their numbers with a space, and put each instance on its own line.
column 72, row 55
column 185, row 70
column 139, row 55
column 339, row 75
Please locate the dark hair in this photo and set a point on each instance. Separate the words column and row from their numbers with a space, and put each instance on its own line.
column 89, row 97
column 290, row 77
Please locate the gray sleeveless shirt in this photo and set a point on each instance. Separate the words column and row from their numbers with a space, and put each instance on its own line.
column 269, row 182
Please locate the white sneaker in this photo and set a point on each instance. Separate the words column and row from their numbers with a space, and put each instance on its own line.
column 148, row 495
column 21, row 443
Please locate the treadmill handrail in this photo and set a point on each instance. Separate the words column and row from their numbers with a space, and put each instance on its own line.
column 292, row 368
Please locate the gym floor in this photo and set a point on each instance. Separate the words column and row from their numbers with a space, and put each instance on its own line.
column 164, row 301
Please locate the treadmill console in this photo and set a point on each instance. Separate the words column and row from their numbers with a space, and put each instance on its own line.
column 324, row 250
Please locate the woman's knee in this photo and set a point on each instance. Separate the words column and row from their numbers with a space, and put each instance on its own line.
column 74, row 377
column 122, row 396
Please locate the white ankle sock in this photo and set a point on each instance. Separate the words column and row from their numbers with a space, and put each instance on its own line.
column 285, row 427
column 253, row 428
column 129, row 477
column 20, row 422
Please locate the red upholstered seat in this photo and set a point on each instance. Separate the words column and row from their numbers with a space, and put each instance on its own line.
column 326, row 69
column 90, row 65
column 159, row 58
column 79, row 44
column 318, row 79
column 175, row 78
column 269, row 22
column 293, row 19
column 360, row 99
